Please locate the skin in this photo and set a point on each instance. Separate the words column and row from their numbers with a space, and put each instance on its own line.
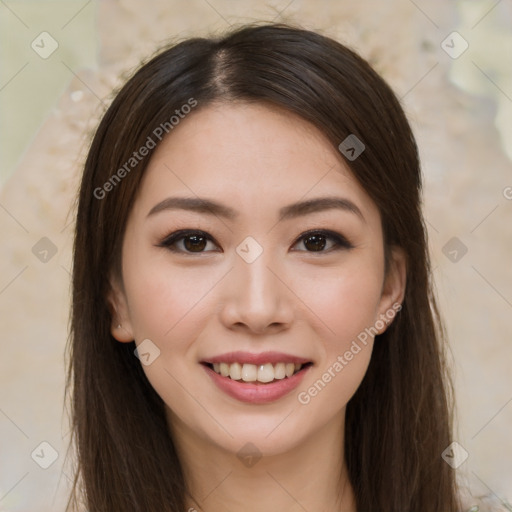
column 291, row 299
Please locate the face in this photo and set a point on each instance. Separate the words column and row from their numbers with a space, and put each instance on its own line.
column 253, row 279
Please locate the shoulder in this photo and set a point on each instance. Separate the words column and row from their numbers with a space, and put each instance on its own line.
column 487, row 503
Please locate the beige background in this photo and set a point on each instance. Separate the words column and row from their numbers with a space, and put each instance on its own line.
column 460, row 109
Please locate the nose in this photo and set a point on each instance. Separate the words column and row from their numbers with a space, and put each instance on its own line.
column 256, row 298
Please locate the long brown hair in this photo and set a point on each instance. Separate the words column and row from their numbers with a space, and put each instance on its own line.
column 399, row 421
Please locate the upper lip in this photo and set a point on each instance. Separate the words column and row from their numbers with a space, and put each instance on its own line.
column 257, row 359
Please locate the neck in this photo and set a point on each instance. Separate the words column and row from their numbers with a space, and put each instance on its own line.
column 311, row 476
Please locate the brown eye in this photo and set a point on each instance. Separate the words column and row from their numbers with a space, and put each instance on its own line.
column 187, row 242
column 317, row 241
column 194, row 243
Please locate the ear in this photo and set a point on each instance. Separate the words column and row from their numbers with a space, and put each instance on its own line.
column 393, row 289
column 120, row 326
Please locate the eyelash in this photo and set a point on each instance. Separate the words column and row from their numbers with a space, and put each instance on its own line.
column 340, row 242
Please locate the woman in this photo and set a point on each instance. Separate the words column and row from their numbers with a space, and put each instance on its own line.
column 253, row 323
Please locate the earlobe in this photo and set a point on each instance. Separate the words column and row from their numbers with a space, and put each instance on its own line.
column 121, row 334
column 393, row 290
column 120, row 326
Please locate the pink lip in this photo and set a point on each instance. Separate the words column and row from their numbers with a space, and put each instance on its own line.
column 256, row 393
column 261, row 358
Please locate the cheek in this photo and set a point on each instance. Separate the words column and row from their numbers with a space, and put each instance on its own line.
column 163, row 299
column 170, row 307
column 346, row 300
column 347, row 304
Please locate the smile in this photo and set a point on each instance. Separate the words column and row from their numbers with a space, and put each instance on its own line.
column 263, row 373
column 256, row 378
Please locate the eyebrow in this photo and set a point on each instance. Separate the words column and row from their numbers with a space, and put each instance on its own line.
column 291, row 211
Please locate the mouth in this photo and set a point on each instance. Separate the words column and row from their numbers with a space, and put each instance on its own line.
column 266, row 373
column 260, row 378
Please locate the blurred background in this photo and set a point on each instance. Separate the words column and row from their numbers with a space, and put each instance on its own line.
column 449, row 62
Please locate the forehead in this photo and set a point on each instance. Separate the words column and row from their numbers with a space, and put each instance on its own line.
column 253, row 154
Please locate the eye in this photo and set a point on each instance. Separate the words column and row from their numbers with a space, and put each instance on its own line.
column 187, row 241
column 317, row 241
column 193, row 241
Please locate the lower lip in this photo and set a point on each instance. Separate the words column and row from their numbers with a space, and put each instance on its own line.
column 256, row 393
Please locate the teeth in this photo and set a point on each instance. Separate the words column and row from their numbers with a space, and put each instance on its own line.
column 261, row 373
column 249, row 373
column 235, row 371
column 279, row 371
column 266, row 373
column 224, row 369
